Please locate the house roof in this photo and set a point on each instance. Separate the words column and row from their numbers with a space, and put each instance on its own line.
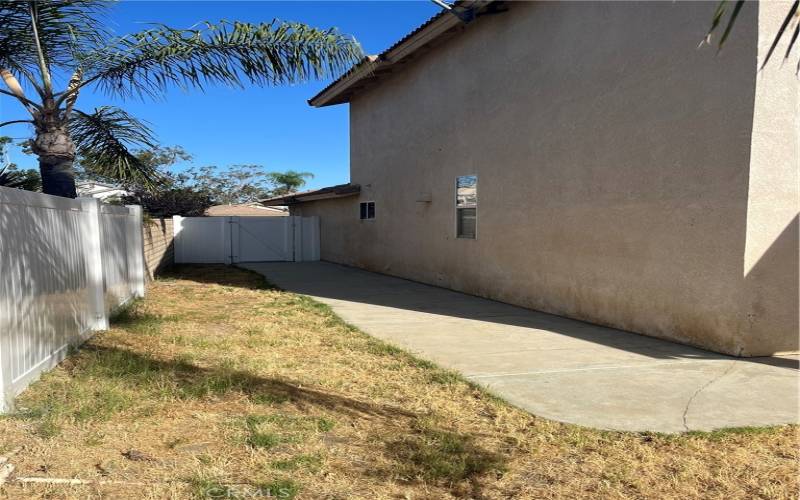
column 96, row 183
column 338, row 191
column 244, row 210
column 88, row 185
column 372, row 69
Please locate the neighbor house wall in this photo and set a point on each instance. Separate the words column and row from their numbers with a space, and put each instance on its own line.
column 614, row 172
column 159, row 249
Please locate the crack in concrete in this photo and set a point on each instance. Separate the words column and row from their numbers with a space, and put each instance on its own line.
column 701, row 389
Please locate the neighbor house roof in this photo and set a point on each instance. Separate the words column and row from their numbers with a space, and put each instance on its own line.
column 371, row 69
column 339, row 191
column 97, row 187
column 244, row 210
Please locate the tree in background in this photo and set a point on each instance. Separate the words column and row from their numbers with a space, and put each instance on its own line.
column 170, row 196
column 40, row 40
column 13, row 177
column 191, row 191
column 169, row 201
column 238, row 184
column 288, row 182
column 229, row 186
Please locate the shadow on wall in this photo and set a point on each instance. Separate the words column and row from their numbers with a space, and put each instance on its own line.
column 772, row 288
column 159, row 246
column 44, row 283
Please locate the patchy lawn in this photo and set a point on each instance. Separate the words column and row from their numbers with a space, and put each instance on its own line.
column 218, row 386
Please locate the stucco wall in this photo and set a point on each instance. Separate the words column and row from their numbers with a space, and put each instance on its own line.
column 614, row 172
column 771, row 260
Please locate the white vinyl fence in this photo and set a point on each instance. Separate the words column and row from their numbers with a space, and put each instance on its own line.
column 65, row 265
column 229, row 240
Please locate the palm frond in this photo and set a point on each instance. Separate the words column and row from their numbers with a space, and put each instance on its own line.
column 104, row 140
column 146, row 63
column 67, row 28
column 10, row 177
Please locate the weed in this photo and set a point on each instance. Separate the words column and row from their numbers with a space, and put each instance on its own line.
column 729, row 432
column 309, row 462
column 444, row 377
column 435, row 454
column 206, row 488
column 48, row 428
column 102, row 404
column 279, row 488
column 269, row 398
column 135, row 319
column 325, row 425
column 258, row 437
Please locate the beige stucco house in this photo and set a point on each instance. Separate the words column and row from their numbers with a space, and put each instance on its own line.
column 608, row 169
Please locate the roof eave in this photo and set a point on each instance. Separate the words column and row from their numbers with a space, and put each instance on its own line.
column 293, row 199
column 363, row 69
column 339, row 91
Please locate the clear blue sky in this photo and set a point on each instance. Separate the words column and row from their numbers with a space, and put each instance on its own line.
column 273, row 127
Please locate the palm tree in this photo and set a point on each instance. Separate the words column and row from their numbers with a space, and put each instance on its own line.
column 288, row 182
column 42, row 42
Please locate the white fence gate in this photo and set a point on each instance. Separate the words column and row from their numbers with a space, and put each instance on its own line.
column 64, row 266
column 245, row 239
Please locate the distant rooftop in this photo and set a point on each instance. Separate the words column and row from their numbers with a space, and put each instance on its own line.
column 245, row 210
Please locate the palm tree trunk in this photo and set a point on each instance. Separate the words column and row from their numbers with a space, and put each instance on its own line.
column 58, row 177
column 56, row 154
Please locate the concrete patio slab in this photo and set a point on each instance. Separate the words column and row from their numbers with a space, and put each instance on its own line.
column 555, row 367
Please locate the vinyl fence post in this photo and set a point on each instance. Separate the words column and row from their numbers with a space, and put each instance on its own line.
column 93, row 255
column 313, row 245
column 297, row 238
column 177, row 244
column 136, row 252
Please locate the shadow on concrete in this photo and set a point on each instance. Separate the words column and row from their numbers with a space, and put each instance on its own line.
column 341, row 283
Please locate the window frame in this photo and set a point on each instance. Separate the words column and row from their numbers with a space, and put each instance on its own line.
column 466, row 206
column 374, row 210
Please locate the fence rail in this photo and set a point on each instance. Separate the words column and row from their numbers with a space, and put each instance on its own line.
column 65, row 265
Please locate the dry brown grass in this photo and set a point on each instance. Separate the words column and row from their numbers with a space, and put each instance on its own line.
column 227, row 387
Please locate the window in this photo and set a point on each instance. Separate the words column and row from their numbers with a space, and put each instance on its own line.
column 467, row 206
column 367, row 210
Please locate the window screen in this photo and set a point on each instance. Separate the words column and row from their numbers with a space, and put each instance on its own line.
column 466, row 223
column 467, row 206
column 367, row 210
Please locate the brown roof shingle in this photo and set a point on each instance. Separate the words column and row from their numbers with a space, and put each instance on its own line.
column 244, row 210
